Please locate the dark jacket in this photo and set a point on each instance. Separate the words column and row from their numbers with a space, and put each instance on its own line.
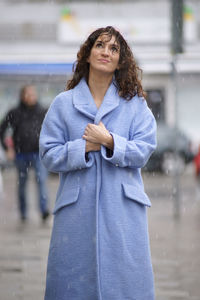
column 25, row 122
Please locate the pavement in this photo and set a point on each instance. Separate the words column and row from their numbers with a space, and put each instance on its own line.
column 175, row 242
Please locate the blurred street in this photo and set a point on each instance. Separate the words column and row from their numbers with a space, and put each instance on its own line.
column 175, row 243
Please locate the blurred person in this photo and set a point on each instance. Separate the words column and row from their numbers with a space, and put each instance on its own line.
column 97, row 135
column 24, row 122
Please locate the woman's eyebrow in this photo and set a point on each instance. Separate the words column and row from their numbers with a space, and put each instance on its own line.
column 115, row 44
column 103, row 42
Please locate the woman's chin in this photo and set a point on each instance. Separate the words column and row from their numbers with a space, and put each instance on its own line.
column 102, row 71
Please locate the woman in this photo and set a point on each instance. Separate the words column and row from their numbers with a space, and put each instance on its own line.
column 97, row 135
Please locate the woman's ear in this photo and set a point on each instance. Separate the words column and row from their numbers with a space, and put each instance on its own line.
column 88, row 60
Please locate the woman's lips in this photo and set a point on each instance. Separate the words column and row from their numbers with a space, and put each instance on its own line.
column 103, row 60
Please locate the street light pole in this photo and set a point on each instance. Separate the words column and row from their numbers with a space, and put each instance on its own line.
column 176, row 175
column 177, row 26
column 176, row 47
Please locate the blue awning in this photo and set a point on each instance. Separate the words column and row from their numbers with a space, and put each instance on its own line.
column 35, row 68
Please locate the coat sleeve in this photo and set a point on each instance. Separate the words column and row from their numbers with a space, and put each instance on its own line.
column 134, row 152
column 57, row 152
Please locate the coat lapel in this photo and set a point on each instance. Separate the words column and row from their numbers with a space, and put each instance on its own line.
column 84, row 102
column 110, row 102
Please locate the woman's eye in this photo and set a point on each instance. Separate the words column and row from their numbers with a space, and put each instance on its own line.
column 114, row 49
column 98, row 45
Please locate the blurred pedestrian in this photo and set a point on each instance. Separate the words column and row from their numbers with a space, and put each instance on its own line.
column 97, row 135
column 22, row 145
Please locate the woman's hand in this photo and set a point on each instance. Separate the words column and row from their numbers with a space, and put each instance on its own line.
column 92, row 147
column 98, row 134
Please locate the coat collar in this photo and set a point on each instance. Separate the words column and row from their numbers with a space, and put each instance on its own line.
column 84, row 102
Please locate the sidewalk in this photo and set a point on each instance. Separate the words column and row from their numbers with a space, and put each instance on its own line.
column 175, row 244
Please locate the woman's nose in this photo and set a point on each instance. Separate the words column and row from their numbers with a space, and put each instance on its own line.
column 105, row 51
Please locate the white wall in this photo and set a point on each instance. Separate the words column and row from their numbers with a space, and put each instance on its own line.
column 189, row 105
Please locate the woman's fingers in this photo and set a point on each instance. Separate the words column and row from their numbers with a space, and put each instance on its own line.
column 86, row 131
column 96, row 133
column 86, row 137
column 101, row 124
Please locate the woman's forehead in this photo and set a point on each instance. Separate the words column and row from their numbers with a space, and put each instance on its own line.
column 107, row 38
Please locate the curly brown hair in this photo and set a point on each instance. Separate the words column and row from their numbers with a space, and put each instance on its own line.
column 127, row 77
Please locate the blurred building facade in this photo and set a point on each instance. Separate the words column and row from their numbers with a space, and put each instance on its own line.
column 40, row 39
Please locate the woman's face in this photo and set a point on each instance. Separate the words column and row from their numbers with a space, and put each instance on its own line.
column 104, row 55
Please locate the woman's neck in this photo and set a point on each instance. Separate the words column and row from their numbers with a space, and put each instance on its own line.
column 98, row 85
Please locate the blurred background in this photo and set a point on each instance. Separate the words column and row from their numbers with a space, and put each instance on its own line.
column 39, row 41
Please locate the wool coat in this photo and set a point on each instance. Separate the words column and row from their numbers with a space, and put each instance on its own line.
column 99, row 247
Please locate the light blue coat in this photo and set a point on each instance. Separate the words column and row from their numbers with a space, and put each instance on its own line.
column 99, row 248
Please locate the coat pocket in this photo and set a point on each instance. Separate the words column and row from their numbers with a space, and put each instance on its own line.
column 135, row 194
column 68, row 196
